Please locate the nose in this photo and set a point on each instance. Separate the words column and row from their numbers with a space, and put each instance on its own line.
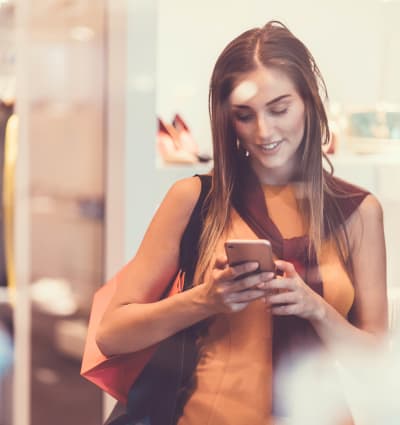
column 263, row 127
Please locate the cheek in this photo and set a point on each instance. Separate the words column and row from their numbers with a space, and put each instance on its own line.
column 299, row 129
column 296, row 125
column 242, row 130
column 240, row 134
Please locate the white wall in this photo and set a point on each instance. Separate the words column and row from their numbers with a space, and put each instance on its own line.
column 347, row 38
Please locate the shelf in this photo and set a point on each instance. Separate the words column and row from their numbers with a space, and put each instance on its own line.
column 348, row 157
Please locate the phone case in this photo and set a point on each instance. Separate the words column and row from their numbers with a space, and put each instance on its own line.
column 242, row 250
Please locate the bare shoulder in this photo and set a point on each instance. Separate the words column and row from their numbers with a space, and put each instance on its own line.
column 371, row 210
column 178, row 203
column 185, row 193
column 369, row 265
column 157, row 259
column 367, row 221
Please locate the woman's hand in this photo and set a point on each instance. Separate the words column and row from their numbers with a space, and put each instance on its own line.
column 226, row 291
column 290, row 295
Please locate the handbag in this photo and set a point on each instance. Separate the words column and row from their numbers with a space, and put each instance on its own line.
column 157, row 372
column 115, row 374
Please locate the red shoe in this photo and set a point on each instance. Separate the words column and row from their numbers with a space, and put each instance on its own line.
column 170, row 146
column 185, row 136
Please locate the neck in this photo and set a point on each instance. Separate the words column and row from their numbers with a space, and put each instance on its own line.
column 279, row 176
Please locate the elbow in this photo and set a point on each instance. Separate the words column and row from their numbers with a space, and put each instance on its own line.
column 103, row 342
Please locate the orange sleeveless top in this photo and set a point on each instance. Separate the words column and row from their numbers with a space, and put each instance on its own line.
column 233, row 378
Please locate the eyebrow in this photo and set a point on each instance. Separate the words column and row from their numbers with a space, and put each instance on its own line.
column 271, row 102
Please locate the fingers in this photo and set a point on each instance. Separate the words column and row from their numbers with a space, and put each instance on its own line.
column 256, row 281
column 221, row 262
column 237, row 294
column 229, row 274
column 286, row 310
column 237, row 286
column 244, row 296
column 283, row 298
column 288, row 268
column 278, row 284
column 236, row 271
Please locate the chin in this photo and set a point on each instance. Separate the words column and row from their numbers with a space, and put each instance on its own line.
column 273, row 163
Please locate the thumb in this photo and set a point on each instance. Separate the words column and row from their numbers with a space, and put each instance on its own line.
column 221, row 262
column 287, row 268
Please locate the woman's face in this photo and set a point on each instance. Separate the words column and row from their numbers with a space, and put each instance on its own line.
column 268, row 115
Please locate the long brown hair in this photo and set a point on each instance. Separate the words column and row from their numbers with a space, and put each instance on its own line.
column 271, row 46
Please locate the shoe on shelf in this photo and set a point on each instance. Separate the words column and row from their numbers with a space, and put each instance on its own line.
column 187, row 139
column 185, row 135
column 170, row 147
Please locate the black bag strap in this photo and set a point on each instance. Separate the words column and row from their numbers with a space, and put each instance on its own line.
column 189, row 246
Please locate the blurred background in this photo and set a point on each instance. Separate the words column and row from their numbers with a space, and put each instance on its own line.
column 103, row 104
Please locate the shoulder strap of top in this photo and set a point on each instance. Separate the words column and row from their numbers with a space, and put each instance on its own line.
column 189, row 247
column 347, row 196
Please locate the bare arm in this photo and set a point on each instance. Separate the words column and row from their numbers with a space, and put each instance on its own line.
column 370, row 301
column 144, row 280
column 369, row 258
column 135, row 319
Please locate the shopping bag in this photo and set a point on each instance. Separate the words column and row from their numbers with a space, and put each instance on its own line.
column 116, row 374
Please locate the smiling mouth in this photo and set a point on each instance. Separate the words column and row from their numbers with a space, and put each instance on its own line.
column 270, row 146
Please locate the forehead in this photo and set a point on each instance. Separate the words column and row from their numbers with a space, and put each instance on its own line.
column 263, row 84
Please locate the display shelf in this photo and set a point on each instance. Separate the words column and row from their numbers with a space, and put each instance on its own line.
column 345, row 156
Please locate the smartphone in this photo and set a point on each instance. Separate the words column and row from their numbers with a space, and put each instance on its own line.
column 244, row 250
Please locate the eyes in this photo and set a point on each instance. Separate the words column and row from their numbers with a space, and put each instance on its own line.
column 248, row 116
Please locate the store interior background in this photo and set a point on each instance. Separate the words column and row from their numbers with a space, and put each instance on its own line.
column 92, row 78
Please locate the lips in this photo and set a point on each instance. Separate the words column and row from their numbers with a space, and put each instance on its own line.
column 270, row 146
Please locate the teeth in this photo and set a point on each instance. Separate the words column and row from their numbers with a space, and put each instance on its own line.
column 271, row 146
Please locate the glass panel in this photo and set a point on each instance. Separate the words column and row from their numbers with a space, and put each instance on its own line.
column 66, row 122
column 7, row 93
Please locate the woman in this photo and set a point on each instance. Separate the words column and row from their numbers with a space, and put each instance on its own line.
column 268, row 125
